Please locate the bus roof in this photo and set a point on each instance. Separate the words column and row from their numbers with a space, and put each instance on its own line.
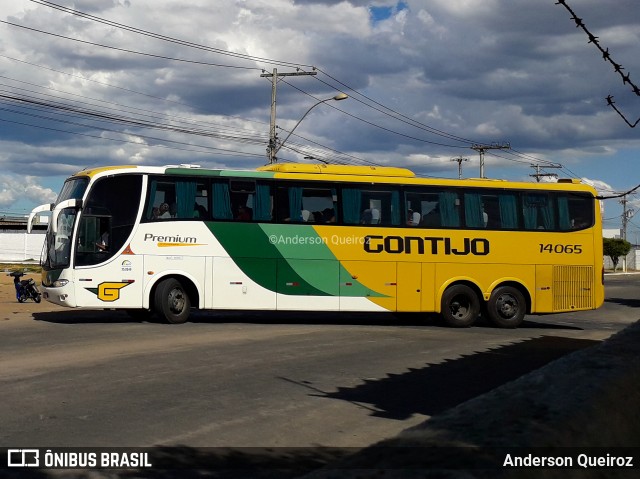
column 325, row 172
column 339, row 169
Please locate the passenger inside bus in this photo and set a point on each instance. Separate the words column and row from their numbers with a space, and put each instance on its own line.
column 329, row 215
column 413, row 218
column 432, row 218
column 244, row 213
column 164, row 211
column 370, row 216
column 103, row 243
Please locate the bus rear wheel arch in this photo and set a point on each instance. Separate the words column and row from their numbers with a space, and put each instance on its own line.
column 507, row 306
column 172, row 301
column 460, row 305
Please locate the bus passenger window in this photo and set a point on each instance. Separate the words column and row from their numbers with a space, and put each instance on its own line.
column 437, row 208
column 575, row 211
column 370, row 207
column 306, row 204
column 538, row 211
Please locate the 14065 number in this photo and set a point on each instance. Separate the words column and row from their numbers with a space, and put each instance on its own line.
column 561, row 248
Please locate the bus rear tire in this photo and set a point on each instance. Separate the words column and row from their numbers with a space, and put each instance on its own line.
column 506, row 307
column 460, row 306
column 171, row 301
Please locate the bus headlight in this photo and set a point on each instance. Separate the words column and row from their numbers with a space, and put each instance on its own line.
column 60, row 283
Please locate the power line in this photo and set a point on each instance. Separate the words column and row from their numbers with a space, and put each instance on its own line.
column 375, row 125
column 166, row 38
column 383, row 109
column 126, row 50
column 83, row 78
column 357, row 96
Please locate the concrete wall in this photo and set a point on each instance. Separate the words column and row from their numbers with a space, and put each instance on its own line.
column 633, row 261
column 19, row 246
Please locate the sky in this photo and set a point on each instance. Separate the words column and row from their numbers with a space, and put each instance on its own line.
column 154, row 82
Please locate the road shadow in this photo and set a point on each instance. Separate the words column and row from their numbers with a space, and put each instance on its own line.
column 435, row 388
column 630, row 302
column 78, row 316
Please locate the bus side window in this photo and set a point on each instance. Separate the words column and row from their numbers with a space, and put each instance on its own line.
column 366, row 206
column 438, row 208
column 162, row 193
column 575, row 211
column 311, row 204
column 538, row 211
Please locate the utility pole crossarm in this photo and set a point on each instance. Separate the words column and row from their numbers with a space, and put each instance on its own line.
column 537, row 175
column 482, row 148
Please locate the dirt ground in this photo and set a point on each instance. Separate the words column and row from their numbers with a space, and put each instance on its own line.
column 9, row 306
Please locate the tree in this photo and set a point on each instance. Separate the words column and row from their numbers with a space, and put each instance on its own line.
column 614, row 248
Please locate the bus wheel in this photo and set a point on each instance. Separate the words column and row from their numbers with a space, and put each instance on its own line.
column 171, row 301
column 506, row 307
column 460, row 306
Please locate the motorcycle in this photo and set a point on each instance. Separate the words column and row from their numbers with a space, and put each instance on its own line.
column 25, row 288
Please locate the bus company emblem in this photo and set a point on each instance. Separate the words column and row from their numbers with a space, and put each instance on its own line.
column 109, row 291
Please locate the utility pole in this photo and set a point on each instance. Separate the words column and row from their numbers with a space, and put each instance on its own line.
column 460, row 159
column 627, row 214
column 271, row 149
column 482, row 148
column 625, row 220
column 537, row 175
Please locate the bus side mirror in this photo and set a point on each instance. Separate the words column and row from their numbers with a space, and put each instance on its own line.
column 72, row 203
column 34, row 213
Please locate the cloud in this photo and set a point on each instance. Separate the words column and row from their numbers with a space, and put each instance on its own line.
column 14, row 188
column 425, row 80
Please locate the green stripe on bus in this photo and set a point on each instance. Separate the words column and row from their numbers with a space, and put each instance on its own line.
column 304, row 264
column 243, row 239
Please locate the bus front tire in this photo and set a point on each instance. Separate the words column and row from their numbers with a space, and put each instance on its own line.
column 171, row 301
column 460, row 306
column 506, row 307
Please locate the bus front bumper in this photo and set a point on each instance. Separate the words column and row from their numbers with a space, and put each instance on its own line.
column 62, row 295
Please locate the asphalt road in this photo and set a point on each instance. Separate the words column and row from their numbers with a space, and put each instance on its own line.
column 97, row 378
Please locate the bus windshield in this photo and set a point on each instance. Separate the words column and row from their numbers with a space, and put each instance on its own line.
column 58, row 246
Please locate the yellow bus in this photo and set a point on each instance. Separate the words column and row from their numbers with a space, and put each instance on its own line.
column 307, row 237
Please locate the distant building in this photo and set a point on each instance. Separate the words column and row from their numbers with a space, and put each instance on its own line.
column 611, row 233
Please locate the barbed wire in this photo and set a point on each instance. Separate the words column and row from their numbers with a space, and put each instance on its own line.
column 618, row 68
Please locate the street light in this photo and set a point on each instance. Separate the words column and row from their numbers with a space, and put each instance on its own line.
column 274, row 152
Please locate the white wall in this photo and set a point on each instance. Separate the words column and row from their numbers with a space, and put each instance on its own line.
column 20, row 246
column 633, row 261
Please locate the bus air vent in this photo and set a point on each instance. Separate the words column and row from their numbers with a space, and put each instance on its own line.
column 572, row 288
